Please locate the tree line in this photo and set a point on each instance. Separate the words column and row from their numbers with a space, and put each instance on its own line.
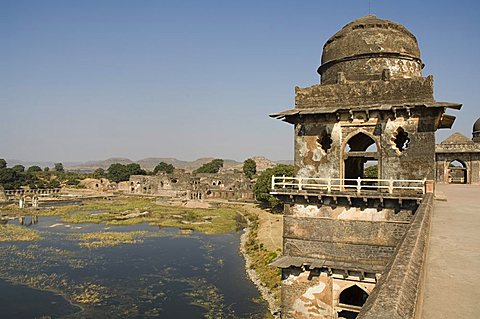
column 35, row 177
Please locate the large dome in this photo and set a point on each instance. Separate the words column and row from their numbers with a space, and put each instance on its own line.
column 366, row 47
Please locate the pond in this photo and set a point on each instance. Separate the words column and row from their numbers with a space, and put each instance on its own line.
column 152, row 272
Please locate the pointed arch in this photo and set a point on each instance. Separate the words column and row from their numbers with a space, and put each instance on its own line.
column 361, row 152
column 353, row 296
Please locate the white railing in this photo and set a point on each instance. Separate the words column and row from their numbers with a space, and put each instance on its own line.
column 285, row 183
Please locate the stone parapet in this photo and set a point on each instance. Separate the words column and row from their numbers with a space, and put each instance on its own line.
column 398, row 292
column 363, row 93
column 457, row 148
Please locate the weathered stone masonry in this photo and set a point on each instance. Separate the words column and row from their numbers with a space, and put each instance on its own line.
column 372, row 107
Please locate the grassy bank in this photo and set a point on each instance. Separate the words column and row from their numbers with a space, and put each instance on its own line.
column 260, row 258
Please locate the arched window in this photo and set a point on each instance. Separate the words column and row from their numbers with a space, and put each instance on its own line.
column 361, row 157
column 353, row 296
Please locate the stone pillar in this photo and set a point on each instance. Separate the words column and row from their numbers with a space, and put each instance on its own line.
column 21, row 202
column 35, row 201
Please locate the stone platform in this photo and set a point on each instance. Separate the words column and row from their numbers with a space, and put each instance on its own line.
column 452, row 284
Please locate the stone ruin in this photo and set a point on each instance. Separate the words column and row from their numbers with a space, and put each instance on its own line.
column 458, row 158
column 191, row 186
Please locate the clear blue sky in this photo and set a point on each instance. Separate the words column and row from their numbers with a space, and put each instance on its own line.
column 84, row 80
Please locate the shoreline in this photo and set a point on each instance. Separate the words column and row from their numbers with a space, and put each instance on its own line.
column 266, row 294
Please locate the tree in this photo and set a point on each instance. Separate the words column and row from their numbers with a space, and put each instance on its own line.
column 99, row 173
column 58, row 167
column 135, row 169
column 119, row 172
column 264, row 184
column 371, row 172
column 19, row 168
column 3, row 163
column 249, row 168
column 46, row 169
column 9, row 178
column 211, row 167
column 163, row 167
column 34, row 169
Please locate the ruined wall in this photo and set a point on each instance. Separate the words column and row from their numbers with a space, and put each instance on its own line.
column 101, row 184
column 230, row 186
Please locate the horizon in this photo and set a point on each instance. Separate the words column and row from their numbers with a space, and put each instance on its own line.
column 88, row 80
column 12, row 161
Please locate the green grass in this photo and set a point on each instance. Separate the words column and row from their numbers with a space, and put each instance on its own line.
column 108, row 239
column 206, row 220
column 18, row 233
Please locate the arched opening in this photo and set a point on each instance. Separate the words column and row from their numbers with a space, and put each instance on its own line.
column 457, row 172
column 361, row 158
column 352, row 298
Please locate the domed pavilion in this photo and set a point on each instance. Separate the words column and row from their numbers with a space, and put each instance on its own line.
column 370, row 121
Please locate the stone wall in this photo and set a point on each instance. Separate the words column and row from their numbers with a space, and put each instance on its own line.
column 398, row 291
column 358, row 94
column 314, row 159
column 313, row 295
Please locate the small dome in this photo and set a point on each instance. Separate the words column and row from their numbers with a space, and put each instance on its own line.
column 476, row 127
column 365, row 47
column 476, row 131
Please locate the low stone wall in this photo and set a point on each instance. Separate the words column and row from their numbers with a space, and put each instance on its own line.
column 398, row 293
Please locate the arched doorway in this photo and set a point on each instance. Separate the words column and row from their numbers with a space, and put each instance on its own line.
column 361, row 157
column 351, row 299
column 457, row 172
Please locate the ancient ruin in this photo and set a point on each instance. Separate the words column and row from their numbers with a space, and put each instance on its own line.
column 191, row 186
column 357, row 211
column 458, row 158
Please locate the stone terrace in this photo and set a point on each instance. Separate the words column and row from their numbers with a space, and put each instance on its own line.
column 452, row 284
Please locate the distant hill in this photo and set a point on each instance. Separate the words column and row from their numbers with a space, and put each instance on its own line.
column 150, row 162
